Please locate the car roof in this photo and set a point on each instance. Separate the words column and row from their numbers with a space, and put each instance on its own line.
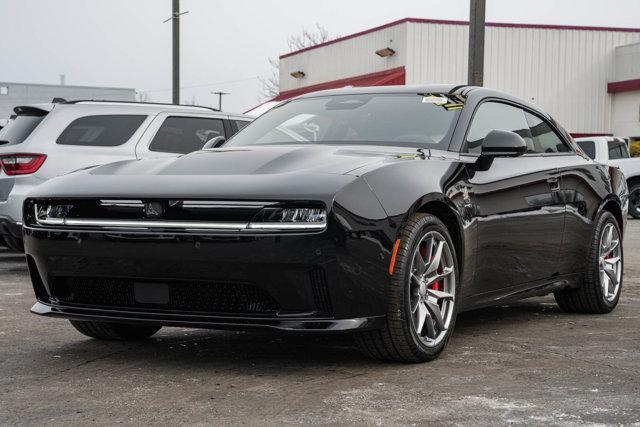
column 462, row 89
column 124, row 107
column 148, row 106
column 351, row 90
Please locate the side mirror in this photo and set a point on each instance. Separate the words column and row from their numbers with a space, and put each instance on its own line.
column 502, row 143
column 214, row 142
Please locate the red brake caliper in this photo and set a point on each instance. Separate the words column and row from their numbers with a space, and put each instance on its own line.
column 435, row 285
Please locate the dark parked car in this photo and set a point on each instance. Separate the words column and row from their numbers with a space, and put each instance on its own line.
column 380, row 211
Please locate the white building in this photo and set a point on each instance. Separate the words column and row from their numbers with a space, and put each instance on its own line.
column 14, row 94
column 588, row 78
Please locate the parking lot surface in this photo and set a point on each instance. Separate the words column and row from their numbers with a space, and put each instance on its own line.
column 523, row 363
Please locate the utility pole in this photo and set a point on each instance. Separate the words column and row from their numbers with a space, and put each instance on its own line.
column 476, row 42
column 220, row 95
column 175, row 33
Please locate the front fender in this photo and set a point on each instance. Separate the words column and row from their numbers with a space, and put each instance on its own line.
column 406, row 187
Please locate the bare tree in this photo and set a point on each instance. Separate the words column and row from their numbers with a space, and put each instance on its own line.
column 271, row 83
column 307, row 38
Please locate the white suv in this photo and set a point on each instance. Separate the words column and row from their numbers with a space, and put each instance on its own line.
column 614, row 151
column 46, row 140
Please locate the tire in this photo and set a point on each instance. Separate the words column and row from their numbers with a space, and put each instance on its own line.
column 14, row 243
column 114, row 331
column 634, row 201
column 399, row 340
column 590, row 296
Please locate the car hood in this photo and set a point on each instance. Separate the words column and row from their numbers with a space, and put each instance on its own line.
column 266, row 172
column 259, row 160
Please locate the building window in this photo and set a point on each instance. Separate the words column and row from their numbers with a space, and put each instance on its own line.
column 4, row 90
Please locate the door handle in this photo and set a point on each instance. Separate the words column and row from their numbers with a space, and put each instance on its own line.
column 554, row 185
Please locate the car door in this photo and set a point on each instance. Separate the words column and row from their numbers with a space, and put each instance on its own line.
column 518, row 213
column 173, row 134
column 583, row 187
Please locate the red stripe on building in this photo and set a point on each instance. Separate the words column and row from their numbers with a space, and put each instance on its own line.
column 624, row 86
column 394, row 76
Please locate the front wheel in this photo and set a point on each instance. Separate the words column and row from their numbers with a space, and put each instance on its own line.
column 602, row 283
column 421, row 297
column 114, row 331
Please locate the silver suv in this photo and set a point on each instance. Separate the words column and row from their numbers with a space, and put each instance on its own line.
column 46, row 140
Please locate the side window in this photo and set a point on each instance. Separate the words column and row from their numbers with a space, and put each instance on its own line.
column 545, row 140
column 101, row 131
column 589, row 148
column 617, row 150
column 17, row 129
column 182, row 135
column 496, row 116
column 241, row 124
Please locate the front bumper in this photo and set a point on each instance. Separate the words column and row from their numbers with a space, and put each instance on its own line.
column 208, row 321
column 333, row 280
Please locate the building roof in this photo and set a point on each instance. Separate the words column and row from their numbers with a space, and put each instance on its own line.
column 452, row 22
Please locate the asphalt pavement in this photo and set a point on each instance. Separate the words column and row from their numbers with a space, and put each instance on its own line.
column 524, row 363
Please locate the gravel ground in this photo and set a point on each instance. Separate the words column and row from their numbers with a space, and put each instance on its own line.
column 524, row 363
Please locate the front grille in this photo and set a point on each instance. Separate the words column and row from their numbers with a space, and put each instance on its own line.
column 183, row 296
column 321, row 298
column 162, row 209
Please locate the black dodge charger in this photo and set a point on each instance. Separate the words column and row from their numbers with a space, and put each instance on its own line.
column 383, row 212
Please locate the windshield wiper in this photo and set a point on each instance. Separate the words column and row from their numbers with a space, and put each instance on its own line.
column 424, row 152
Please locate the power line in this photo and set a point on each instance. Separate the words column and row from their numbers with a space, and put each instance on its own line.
column 203, row 85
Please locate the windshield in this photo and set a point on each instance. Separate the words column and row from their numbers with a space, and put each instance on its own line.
column 18, row 129
column 410, row 120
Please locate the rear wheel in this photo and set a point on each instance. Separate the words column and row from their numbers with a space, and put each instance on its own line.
column 422, row 294
column 634, row 201
column 114, row 331
column 600, row 290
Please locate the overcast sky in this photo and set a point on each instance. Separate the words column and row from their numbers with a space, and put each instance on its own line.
column 225, row 44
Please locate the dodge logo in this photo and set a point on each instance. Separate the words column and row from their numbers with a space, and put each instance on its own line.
column 154, row 209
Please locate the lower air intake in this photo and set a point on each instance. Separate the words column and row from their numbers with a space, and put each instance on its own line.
column 183, row 296
column 321, row 298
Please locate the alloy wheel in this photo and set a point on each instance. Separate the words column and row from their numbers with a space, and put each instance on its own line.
column 432, row 288
column 610, row 262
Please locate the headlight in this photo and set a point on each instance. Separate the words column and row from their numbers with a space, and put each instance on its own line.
column 290, row 218
column 51, row 214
